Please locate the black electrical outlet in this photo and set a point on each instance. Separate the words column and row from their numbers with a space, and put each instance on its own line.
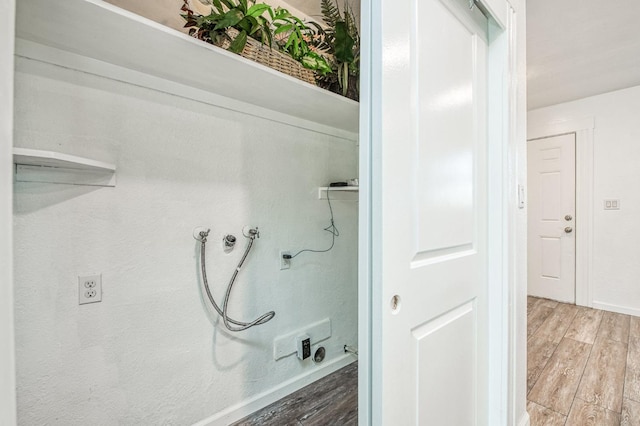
column 306, row 348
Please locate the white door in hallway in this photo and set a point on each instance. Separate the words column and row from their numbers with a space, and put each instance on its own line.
column 433, row 359
column 551, row 217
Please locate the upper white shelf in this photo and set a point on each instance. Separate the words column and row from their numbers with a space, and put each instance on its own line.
column 33, row 165
column 35, row 157
column 100, row 31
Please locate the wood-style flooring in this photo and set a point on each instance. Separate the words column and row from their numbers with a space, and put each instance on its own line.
column 583, row 366
column 332, row 400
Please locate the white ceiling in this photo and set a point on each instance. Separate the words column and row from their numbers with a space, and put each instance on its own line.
column 580, row 48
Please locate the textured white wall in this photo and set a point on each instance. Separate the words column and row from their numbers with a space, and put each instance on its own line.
column 150, row 352
column 616, row 171
column 7, row 371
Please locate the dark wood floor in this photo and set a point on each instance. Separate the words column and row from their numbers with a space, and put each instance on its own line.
column 583, row 366
column 332, row 400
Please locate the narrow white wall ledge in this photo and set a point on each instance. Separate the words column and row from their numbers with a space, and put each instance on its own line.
column 345, row 193
column 33, row 165
column 36, row 157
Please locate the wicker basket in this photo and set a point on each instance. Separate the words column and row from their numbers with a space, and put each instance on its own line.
column 271, row 58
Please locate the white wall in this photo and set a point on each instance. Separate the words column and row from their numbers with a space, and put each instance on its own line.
column 151, row 352
column 616, row 172
column 7, row 372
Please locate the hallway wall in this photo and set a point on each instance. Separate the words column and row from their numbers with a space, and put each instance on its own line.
column 616, row 169
column 153, row 352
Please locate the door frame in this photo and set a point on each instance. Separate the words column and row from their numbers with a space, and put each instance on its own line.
column 583, row 129
column 506, row 136
column 7, row 354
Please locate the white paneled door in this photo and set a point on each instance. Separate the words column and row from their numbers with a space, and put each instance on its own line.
column 434, row 214
column 551, row 217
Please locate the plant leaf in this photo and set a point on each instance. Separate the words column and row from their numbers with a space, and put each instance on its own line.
column 244, row 24
column 281, row 14
column 315, row 62
column 257, row 9
column 330, row 12
column 229, row 3
column 239, row 42
column 218, row 6
column 345, row 79
column 291, row 41
column 229, row 19
column 255, row 26
column 283, row 28
column 343, row 43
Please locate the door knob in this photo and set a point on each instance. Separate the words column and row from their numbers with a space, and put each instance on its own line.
column 568, row 217
column 568, row 229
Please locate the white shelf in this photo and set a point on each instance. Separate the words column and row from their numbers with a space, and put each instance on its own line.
column 35, row 157
column 338, row 192
column 34, row 165
column 340, row 188
column 102, row 32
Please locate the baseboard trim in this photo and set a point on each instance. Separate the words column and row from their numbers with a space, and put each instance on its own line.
column 251, row 405
column 524, row 420
column 616, row 308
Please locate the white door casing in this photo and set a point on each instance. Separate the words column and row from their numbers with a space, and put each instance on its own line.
column 7, row 356
column 552, row 217
column 433, row 213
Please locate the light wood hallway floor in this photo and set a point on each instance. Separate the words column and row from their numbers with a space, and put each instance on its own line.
column 583, row 366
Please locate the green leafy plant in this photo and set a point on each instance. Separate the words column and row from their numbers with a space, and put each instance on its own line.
column 296, row 40
column 246, row 19
column 340, row 40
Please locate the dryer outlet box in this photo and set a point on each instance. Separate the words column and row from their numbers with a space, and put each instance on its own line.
column 304, row 346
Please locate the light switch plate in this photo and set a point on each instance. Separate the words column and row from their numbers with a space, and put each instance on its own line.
column 612, row 204
column 521, row 196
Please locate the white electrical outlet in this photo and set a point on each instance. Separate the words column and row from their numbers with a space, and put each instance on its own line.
column 89, row 289
column 284, row 263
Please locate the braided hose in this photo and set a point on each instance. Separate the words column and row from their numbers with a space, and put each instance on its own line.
column 230, row 323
